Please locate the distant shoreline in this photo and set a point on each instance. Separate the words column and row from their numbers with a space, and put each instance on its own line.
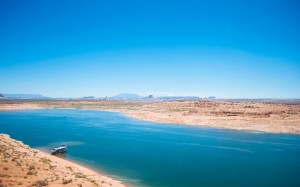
column 237, row 115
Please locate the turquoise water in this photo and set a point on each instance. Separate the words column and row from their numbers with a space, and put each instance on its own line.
column 163, row 155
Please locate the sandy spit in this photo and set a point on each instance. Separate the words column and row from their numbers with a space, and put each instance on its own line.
column 21, row 165
column 273, row 117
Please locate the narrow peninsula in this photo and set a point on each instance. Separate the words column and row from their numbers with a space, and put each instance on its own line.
column 24, row 166
column 274, row 116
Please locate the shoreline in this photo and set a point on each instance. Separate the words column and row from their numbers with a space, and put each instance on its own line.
column 160, row 122
column 32, row 166
column 139, row 113
column 247, row 116
column 217, row 125
column 98, row 172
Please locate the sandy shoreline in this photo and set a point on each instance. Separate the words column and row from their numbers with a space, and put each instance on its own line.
column 17, row 159
column 23, row 166
column 282, row 117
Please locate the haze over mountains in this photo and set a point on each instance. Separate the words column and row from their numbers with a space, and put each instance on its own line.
column 132, row 96
column 127, row 96
column 122, row 96
column 24, row 96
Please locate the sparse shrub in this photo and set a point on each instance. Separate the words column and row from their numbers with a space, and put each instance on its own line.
column 45, row 160
column 51, row 166
column 40, row 183
column 66, row 181
column 94, row 182
column 18, row 164
column 79, row 175
column 30, row 172
column 32, row 167
column 70, row 168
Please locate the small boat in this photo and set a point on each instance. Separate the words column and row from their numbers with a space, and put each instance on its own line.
column 59, row 150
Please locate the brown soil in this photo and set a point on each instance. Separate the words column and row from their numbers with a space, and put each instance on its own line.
column 22, row 166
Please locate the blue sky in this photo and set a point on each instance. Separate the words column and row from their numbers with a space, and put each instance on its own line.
column 230, row 49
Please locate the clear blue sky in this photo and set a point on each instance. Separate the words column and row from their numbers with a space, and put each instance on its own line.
column 230, row 49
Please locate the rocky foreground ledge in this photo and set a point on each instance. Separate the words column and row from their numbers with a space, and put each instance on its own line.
column 22, row 166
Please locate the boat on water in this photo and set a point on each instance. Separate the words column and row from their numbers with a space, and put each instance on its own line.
column 59, row 150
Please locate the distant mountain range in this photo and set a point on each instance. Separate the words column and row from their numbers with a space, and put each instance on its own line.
column 122, row 96
column 127, row 96
column 24, row 96
column 179, row 98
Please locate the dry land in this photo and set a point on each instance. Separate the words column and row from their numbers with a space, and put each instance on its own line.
column 22, row 166
column 268, row 116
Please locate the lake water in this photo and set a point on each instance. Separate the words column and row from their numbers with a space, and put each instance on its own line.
column 162, row 155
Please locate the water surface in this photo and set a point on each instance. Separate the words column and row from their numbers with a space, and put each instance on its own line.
column 161, row 155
